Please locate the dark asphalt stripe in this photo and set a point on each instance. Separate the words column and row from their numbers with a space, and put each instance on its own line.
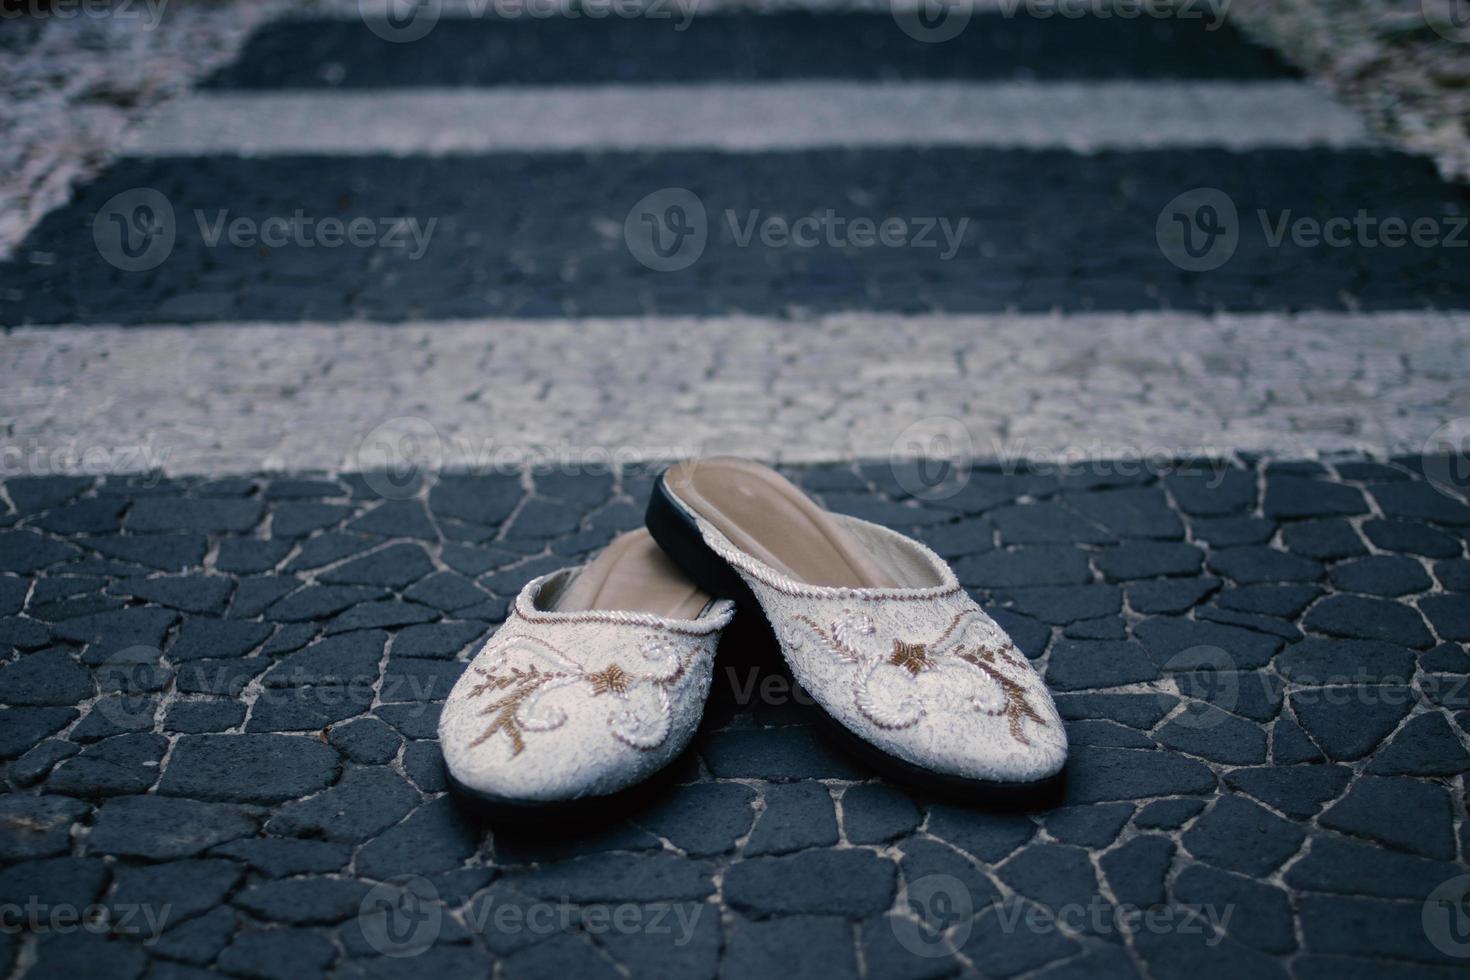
column 544, row 235
column 311, row 53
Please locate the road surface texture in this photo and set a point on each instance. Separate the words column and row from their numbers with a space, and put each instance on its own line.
column 366, row 330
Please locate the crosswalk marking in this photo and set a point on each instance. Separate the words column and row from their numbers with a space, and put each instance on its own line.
column 248, row 397
column 753, row 117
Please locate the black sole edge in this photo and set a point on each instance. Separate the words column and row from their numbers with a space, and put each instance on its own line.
column 1037, row 795
column 677, row 534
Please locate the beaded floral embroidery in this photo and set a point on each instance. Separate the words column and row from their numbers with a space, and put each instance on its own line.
column 887, row 701
column 523, row 669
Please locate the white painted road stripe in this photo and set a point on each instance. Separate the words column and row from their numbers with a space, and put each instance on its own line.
column 250, row 397
column 1082, row 116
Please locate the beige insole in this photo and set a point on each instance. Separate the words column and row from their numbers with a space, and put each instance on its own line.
column 767, row 516
column 633, row 574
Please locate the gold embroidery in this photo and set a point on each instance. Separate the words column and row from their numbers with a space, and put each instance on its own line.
column 912, row 657
column 612, row 678
column 934, row 655
column 1017, row 706
column 959, row 618
column 518, row 687
column 523, row 684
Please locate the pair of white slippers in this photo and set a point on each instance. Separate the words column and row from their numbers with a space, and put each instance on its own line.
column 598, row 678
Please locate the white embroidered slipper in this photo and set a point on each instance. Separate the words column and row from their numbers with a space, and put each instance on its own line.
column 596, row 680
column 874, row 625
